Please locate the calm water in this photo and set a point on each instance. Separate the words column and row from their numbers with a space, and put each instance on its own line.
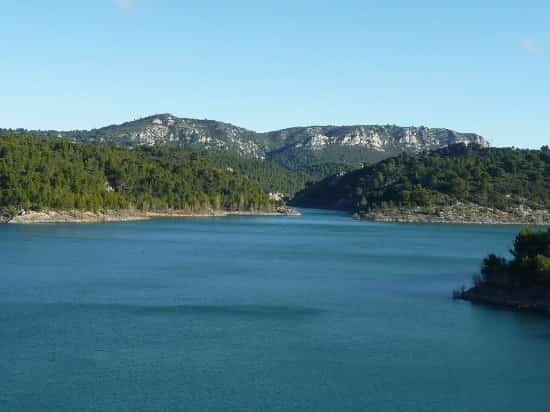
column 317, row 313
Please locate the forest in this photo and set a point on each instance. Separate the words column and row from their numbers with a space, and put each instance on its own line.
column 39, row 173
column 271, row 176
column 500, row 178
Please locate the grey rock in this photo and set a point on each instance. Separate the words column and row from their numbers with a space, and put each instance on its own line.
column 357, row 143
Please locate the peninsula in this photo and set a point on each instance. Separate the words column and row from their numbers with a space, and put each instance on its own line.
column 48, row 181
column 522, row 283
column 457, row 184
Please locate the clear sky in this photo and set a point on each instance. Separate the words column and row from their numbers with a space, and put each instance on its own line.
column 483, row 66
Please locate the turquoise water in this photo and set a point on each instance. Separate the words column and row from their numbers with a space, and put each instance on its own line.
column 315, row 313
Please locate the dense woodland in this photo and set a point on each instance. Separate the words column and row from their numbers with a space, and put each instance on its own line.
column 38, row 173
column 270, row 176
column 286, row 175
column 276, row 178
column 492, row 177
column 331, row 160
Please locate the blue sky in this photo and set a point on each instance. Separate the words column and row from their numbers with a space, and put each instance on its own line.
column 481, row 66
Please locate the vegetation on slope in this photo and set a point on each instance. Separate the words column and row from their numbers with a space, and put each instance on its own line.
column 38, row 173
column 274, row 177
column 312, row 152
column 497, row 178
column 284, row 175
column 269, row 175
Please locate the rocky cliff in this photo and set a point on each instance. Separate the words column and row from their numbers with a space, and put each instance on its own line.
column 335, row 143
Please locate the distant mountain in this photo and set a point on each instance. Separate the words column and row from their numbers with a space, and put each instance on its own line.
column 292, row 147
column 461, row 183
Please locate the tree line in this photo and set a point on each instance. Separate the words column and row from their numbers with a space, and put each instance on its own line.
column 530, row 265
column 501, row 178
column 40, row 173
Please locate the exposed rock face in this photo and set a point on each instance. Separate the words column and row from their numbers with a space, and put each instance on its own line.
column 168, row 129
column 380, row 138
column 286, row 211
column 75, row 216
column 209, row 134
column 105, row 216
column 462, row 213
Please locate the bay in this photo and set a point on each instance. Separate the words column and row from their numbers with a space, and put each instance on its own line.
column 310, row 313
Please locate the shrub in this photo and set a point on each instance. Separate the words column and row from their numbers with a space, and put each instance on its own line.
column 542, row 267
column 494, row 270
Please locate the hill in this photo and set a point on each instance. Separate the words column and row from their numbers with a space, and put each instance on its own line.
column 38, row 174
column 294, row 148
column 468, row 183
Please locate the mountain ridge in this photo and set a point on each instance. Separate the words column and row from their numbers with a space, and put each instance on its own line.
column 345, row 143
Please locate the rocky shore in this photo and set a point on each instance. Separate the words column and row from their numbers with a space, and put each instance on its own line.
column 533, row 299
column 105, row 216
column 461, row 213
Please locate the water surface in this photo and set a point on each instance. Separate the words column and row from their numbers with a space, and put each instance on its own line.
column 315, row 313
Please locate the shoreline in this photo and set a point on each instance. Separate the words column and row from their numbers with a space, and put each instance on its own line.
column 112, row 216
column 535, row 300
column 460, row 214
column 438, row 220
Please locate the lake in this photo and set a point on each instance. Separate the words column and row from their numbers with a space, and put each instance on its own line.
column 311, row 313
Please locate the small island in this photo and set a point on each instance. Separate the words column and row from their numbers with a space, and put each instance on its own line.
column 522, row 283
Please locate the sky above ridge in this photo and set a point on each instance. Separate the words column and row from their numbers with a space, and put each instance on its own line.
column 482, row 66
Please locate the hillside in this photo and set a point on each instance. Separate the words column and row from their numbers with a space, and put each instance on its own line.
column 273, row 177
column 38, row 174
column 294, row 148
column 366, row 144
column 457, row 183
